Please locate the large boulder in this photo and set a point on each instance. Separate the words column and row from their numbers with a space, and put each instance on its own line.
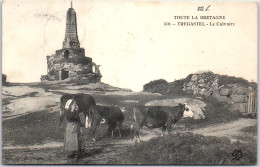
column 242, row 107
column 194, row 78
column 225, row 92
column 189, row 84
column 208, row 85
column 195, row 90
column 215, row 88
column 202, row 91
column 207, row 93
column 195, row 83
column 201, row 85
column 222, row 99
column 239, row 98
column 197, row 111
column 201, row 81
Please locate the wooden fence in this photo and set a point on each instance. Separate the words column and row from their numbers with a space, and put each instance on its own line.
column 252, row 104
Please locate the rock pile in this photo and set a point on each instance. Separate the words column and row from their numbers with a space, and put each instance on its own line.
column 207, row 84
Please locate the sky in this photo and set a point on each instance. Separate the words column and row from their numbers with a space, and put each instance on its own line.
column 129, row 39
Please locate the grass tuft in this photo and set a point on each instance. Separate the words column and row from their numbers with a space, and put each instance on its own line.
column 187, row 149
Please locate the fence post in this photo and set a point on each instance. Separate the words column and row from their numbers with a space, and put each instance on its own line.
column 252, row 103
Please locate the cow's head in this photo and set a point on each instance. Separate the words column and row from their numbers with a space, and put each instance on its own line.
column 185, row 110
column 188, row 112
column 184, row 107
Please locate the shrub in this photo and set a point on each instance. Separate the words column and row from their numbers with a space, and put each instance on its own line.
column 253, row 85
column 156, row 86
column 224, row 80
column 187, row 79
column 176, row 87
column 4, row 79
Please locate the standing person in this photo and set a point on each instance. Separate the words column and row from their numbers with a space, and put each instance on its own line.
column 73, row 133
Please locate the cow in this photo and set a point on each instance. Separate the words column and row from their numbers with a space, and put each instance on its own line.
column 113, row 116
column 83, row 101
column 156, row 117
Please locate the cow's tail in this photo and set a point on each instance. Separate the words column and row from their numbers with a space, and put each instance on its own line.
column 89, row 117
column 134, row 121
column 133, row 125
column 134, row 110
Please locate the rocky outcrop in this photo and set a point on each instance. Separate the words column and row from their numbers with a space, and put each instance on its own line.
column 207, row 84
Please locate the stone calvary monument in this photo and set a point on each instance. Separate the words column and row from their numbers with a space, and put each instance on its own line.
column 70, row 61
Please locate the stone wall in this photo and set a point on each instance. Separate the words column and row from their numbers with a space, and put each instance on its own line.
column 208, row 86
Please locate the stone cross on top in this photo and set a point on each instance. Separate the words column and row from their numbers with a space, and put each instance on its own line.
column 71, row 34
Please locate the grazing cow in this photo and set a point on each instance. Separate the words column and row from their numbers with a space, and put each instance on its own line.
column 83, row 101
column 113, row 116
column 155, row 117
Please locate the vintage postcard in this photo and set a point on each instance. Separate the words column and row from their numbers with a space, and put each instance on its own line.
column 129, row 82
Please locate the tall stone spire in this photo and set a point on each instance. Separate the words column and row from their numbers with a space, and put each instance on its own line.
column 71, row 34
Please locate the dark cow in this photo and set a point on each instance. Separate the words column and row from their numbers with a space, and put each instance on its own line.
column 113, row 116
column 155, row 117
column 84, row 102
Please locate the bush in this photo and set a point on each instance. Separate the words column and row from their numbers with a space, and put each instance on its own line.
column 156, row 86
column 176, row 87
column 253, row 85
column 224, row 80
column 4, row 79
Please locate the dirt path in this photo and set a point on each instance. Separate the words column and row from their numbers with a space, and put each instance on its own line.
column 230, row 130
column 105, row 150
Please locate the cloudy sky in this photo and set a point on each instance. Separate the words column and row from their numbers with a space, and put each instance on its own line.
column 129, row 39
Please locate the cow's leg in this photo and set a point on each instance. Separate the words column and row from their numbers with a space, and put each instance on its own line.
column 87, row 122
column 62, row 115
column 169, row 124
column 93, row 130
column 135, row 136
column 139, row 126
column 132, row 130
column 140, row 139
column 111, row 128
column 109, row 131
column 136, row 132
column 61, row 119
column 163, row 130
column 120, row 128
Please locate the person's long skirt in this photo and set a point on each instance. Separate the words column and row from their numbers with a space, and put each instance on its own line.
column 71, row 139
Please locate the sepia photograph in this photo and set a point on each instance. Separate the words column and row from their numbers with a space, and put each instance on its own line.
column 88, row 82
